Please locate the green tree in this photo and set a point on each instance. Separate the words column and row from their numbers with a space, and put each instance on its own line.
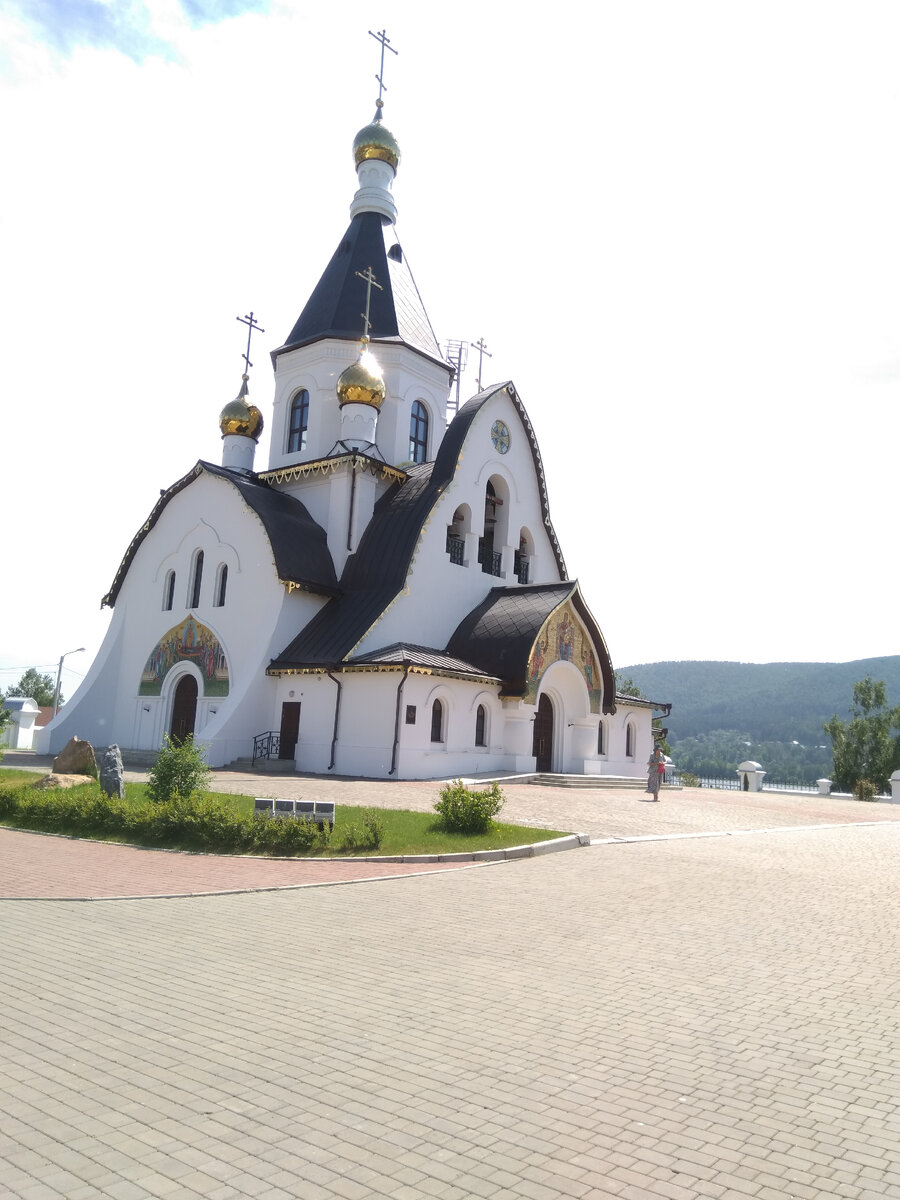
column 863, row 748
column 40, row 688
column 180, row 771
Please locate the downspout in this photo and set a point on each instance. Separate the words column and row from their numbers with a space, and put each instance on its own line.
column 397, row 720
column 337, row 713
column 352, row 507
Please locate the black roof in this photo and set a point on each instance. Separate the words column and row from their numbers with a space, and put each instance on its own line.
column 397, row 313
column 377, row 572
column 403, row 654
column 299, row 544
column 499, row 634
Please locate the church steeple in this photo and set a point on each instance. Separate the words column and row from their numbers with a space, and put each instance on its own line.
column 307, row 425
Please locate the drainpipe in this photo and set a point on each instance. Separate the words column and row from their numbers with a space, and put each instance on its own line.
column 397, row 720
column 352, row 507
column 337, row 713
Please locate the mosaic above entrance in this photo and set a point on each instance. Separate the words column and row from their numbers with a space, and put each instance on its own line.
column 562, row 639
column 188, row 642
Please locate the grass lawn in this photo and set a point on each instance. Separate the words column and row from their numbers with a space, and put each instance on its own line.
column 404, row 832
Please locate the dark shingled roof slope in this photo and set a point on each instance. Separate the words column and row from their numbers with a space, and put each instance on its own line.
column 299, row 544
column 377, row 572
column 397, row 312
column 498, row 635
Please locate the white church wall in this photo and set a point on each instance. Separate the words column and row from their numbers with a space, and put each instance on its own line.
column 617, row 760
column 209, row 515
column 315, row 367
column 409, row 378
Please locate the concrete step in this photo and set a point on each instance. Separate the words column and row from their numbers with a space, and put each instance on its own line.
column 265, row 766
column 638, row 783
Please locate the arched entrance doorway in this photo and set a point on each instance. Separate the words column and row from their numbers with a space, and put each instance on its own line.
column 542, row 744
column 184, row 709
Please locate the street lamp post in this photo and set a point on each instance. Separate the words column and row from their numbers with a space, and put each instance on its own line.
column 80, row 650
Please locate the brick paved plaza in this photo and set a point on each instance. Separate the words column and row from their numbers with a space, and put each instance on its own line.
column 696, row 1016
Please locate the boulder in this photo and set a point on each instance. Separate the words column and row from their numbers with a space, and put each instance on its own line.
column 76, row 758
column 53, row 781
column 112, row 777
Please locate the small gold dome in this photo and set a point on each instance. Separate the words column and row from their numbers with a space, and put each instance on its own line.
column 376, row 141
column 240, row 417
column 362, row 382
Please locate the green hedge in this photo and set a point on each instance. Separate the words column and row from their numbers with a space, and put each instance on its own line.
column 201, row 823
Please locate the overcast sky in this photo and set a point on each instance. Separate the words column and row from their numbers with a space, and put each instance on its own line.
column 676, row 225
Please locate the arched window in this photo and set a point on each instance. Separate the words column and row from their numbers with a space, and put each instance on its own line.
column 480, row 725
column 418, row 433
column 437, row 721
column 299, row 421
column 197, row 580
column 169, row 592
column 601, row 738
column 629, row 740
column 221, row 585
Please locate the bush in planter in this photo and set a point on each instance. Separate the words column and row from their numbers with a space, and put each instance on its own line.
column 464, row 811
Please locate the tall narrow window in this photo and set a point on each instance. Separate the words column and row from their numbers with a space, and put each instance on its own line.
column 629, row 741
column 601, row 738
column 169, row 592
column 418, row 433
column 480, row 723
column 437, row 721
column 221, row 585
column 299, row 421
column 197, row 580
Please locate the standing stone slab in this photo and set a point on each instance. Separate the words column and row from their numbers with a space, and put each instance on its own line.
column 112, row 779
column 76, row 758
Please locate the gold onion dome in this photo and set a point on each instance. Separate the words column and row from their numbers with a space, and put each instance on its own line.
column 240, row 417
column 362, row 382
column 376, row 141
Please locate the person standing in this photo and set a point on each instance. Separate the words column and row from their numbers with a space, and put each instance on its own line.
column 656, row 769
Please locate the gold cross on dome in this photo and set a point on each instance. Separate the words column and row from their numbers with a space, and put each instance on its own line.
column 369, row 276
column 251, row 322
column 382, row 37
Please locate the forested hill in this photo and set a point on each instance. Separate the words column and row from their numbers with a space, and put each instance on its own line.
column 779, row 702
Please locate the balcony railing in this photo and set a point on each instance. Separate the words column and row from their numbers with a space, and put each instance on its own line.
column 489, row 559
column 456, row 549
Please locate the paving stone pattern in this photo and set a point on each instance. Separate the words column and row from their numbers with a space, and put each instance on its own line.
column 711, row 1016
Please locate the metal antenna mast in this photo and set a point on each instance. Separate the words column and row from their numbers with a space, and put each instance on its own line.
column 457, row 352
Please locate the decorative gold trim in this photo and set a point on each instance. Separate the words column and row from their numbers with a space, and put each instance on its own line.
column 327, row 466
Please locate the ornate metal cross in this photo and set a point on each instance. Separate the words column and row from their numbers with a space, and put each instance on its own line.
column 385, row 45
column 251, row 322
column 369, row 276
column 481, row 347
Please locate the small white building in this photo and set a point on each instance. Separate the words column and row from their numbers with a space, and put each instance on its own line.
column 388, row 597
column 18, row 733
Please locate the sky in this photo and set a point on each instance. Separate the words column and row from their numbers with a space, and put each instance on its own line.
column 674, row 225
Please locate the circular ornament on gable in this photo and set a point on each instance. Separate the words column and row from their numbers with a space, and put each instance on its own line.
column 500, row 436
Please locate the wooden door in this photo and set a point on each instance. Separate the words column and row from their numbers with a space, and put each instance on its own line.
column 542, row 746
column 184, row 709
column 290, row 729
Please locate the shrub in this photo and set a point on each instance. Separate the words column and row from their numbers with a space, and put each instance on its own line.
column 365, row 834
column 865, row 789
column 464, row 811
column 689, row 780
column 180, row 770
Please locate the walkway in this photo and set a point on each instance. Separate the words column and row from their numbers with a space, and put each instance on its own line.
column 692, row 1017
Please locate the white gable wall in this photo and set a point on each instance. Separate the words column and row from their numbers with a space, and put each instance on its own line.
column 258, row 619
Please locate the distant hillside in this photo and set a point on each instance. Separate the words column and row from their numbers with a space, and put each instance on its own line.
column 780, row 702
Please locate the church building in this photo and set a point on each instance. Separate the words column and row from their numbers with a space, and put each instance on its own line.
column 387, row 598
